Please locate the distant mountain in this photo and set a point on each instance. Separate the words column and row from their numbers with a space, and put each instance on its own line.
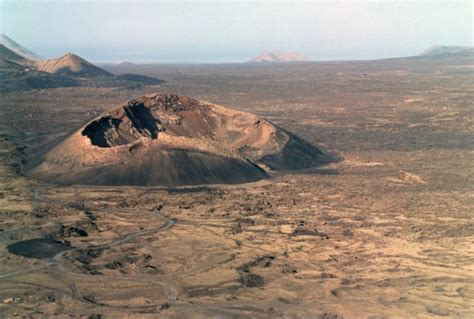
column 11, row 61
column 8, row 55
column 19, row 73
column 18, row 49
column 439, row 50
column 278, row 56
column 71, row 64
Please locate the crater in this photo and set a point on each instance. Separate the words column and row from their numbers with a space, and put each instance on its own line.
column 137, row 121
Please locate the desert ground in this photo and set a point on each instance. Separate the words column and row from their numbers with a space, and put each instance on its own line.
column 387, row 232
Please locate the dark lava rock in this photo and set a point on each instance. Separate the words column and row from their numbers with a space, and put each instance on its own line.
column 308, row 232
column 247, row 221
column 90, row 215
column 39, row 248
column 251, row 280
column 91, row 270
column 72, row 231
column 347, row 233
column 158, row 207
column 289, row 270
column 236, row 229
column 86, row 255
column 165, row 306
column 114, row 265
column 40, row 212
column 262, row 261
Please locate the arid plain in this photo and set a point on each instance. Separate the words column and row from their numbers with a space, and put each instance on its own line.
column 387, row 232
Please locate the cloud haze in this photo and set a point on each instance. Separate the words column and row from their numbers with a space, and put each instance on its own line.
column 234, row 31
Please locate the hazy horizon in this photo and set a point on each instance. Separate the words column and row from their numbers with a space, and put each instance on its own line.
column 216, row 32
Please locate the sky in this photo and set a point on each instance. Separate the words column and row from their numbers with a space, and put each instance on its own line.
column 234, row 31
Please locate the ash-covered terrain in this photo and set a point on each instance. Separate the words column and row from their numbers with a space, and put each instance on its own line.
column 386, row 232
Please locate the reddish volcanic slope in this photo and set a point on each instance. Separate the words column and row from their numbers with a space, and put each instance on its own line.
column 169, row 140
column 70, row 64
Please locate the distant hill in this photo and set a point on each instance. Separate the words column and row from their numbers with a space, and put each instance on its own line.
column 278, row 56
column 71, row 64
column 13, row 62
column 440, row 50
column 7, row 55
column 18, row 49
column 18, row 73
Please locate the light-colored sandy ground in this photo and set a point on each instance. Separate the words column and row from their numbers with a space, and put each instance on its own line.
column 338, row 244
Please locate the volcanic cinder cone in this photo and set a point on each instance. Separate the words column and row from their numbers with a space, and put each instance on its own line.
column 169, row 140
column 71, row 64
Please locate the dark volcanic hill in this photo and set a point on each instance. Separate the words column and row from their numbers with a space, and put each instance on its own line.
column 69, row 64
column 11, row 61
column 8, row 54
column 171, row 140
column 18, row 49
column 18, row 73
